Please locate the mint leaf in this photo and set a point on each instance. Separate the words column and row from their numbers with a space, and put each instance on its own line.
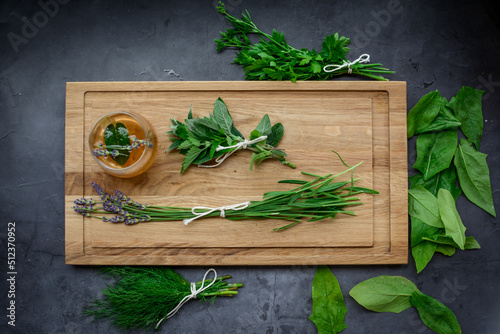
column 277, row 131
column 222, row 116
column 329, row 308
column 116, row 137
column 264, row 127
column 191, row 155
column 254, row 134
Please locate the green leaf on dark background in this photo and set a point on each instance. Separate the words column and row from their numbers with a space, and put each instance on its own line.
column 435, row 152
column 446, row 179
column 424, row 206
column 423, row 253
column 384, row 293
column 329, row 308
column 424, row 112
column 420, row 230
column 445, row 120
column 434, row 314
column 445, row 249
column 447, row 240
column 474, row 176
column 450, row 217
column 467, row 108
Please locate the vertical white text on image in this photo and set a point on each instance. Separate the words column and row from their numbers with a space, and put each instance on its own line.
column 11, row 273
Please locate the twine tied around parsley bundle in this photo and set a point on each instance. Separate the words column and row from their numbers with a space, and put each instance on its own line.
column 363, row 59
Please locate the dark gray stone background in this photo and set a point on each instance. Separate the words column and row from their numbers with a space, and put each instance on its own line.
column 431, row 45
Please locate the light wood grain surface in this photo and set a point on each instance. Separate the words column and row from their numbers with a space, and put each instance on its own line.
column 363, row 121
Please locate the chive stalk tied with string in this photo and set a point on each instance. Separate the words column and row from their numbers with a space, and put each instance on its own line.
column 216, row 138
column 145, row 298
column 272, row 58
column 317, row 199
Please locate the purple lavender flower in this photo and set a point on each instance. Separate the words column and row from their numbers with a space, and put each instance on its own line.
column 131, row 221
column 99, row 190
column 99, row 152
column 115, row 153
column 82, row 210
column 121, row 196
column 116, row 219
column 83, row 201
column 108, row 206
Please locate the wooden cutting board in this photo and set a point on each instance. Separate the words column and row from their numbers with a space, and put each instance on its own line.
column 363, row 121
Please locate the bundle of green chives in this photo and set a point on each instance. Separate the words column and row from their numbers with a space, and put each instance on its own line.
column 313, row 200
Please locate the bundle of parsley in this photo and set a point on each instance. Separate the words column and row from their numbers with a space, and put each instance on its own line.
column 273, row 59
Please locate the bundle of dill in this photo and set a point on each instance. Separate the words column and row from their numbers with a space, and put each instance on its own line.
column 143, row 297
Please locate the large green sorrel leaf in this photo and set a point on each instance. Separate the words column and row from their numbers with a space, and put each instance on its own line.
column 424, row 206
column 424, row 112
column 328, row 303
column 434, row 314
column 467, row 107
column 446, row 179
column 474, row 176
column 451, row 219
column 384, row 293
column 445, row 120
column 423, row 253
column 435, row 152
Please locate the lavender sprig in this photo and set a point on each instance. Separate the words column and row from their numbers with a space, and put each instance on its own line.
column 118, row 150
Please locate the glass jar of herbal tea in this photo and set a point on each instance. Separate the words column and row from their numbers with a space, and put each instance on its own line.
column 123, row 143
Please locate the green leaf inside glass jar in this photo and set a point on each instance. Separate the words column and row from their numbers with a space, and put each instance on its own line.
column 117, row 136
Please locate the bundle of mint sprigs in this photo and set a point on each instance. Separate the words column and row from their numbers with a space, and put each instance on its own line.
column 216, row 138
column 273, row 59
